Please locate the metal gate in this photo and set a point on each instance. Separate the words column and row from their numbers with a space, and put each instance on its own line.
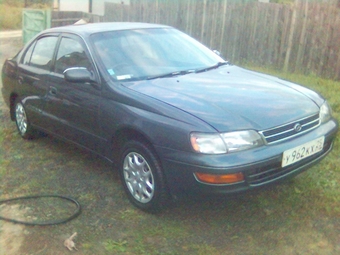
column 34, row 21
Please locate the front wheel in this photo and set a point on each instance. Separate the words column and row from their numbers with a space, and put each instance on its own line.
column 24, row 127
column 142, row 177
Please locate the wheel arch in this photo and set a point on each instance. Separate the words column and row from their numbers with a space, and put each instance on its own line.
column 13, row 97
column 126, row 134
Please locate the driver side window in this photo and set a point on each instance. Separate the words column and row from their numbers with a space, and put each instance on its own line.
column 71, row 54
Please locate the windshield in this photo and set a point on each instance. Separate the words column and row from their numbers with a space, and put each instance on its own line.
column 148, row 53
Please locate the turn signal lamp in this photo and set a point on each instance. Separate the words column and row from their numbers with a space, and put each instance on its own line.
column 219, row 178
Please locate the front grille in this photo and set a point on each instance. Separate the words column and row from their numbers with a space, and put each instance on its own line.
column 289, row 130
column 268, row 173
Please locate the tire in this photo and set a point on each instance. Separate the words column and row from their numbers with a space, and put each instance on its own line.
column 22, row 122
column 142, row 177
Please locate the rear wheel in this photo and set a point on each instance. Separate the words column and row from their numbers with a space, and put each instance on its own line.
column 142, row 177
column 24, row 127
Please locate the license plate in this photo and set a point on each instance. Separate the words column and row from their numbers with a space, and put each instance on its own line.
column 303, row 151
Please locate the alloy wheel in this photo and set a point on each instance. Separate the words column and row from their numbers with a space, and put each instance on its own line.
column 138, row 177
column 21, row 118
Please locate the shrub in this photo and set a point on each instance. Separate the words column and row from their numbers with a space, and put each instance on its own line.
column 10, row 16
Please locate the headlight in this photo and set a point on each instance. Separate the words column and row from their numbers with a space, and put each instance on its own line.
column 325, row 112
column 225, row 142
column 207, row 143
column 242, row 140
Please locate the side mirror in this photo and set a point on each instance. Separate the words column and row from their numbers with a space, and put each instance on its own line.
column 78, row 74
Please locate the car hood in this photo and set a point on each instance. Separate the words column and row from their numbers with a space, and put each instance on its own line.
column 231, row 97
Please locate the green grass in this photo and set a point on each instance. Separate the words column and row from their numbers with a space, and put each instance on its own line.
column 115, row 246
column 10, row 17
column 11, row 12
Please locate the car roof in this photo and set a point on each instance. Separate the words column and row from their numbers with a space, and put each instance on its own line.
column 92, row 28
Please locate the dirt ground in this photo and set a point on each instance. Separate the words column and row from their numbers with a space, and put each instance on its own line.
column 280, row 220
column 11, row 235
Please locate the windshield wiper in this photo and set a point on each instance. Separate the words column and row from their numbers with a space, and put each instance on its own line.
column 172, row 74
column 217, row 65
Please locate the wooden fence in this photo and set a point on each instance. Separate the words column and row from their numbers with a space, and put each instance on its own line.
column 303, row 37
column 64, row 18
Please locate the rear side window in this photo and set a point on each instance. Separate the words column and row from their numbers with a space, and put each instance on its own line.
column 27, row 58
column 40, row 54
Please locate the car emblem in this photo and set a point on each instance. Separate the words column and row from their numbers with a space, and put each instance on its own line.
column 297, row 127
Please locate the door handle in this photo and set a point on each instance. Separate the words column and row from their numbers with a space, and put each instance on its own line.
column 53, row 91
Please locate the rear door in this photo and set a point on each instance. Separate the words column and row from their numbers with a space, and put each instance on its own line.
column 73, row 108
column 33, row 73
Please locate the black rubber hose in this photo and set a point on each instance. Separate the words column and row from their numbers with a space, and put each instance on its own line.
column 74, row 215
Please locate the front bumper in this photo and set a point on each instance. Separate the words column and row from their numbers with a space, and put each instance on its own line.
column 260, row 166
